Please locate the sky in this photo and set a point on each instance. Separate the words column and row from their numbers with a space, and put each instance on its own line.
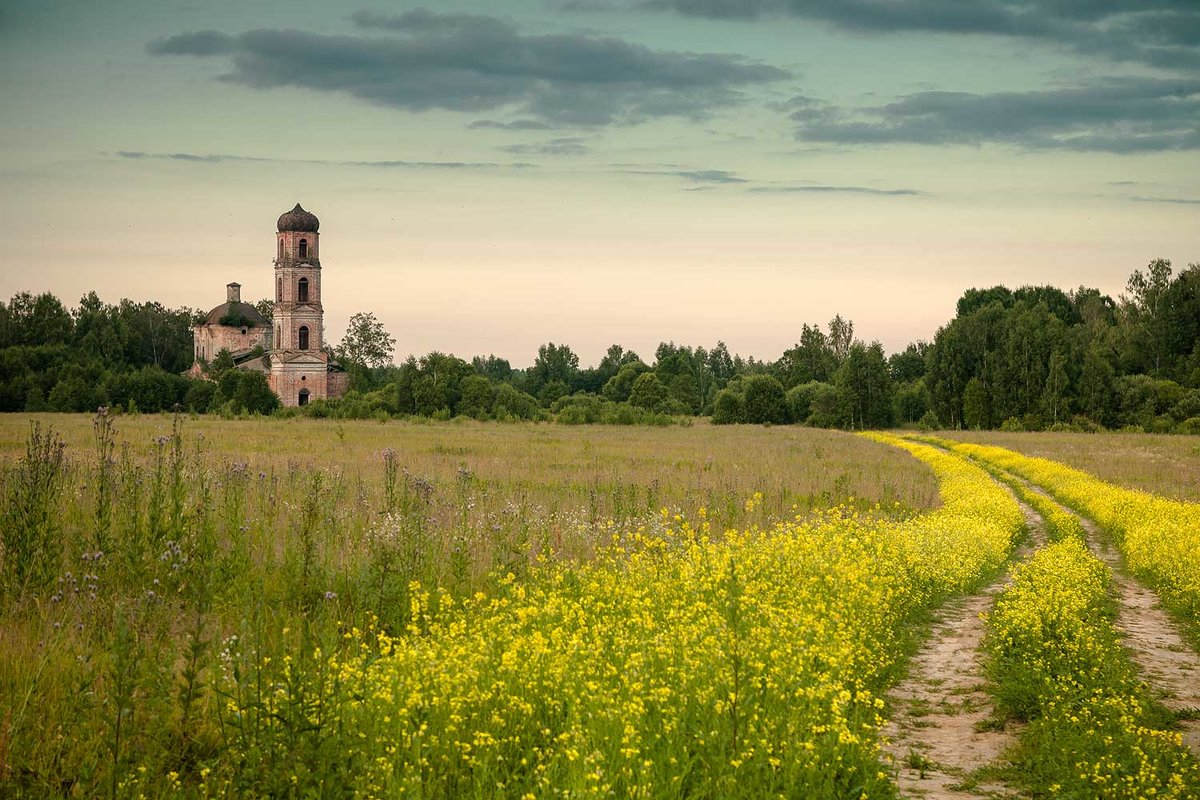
column 491, row 176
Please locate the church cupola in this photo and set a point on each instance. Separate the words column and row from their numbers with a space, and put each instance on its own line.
column 297, row 235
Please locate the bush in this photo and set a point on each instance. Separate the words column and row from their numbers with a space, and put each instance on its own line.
column 649, row 392
column 199, row 396
column 727, row 408
column 1190, row 426
column 764, row 400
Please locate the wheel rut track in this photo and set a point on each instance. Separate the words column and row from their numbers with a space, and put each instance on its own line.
column 1163, row 658
column 934, row 738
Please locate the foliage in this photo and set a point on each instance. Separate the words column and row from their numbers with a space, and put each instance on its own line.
column 366, row 343
column 1039, row 356
column 96, row 354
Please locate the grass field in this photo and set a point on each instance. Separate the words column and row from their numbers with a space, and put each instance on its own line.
column 1158, row 463
column 206, row 608
column 148, row 542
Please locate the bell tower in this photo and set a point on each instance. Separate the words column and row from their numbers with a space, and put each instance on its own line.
column 299, row 362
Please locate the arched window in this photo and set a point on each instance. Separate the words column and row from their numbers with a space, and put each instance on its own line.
column 281, row 249
column 303, row 399
column 279, row 290
column 303, row 337
column 302, row 291
column 304, row 248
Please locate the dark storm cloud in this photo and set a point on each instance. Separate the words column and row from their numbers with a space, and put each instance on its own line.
column 422, row 60
column 1163, row 33
column 1114, row 115
column 823, row 189
column 571, row 146
column 218, row 158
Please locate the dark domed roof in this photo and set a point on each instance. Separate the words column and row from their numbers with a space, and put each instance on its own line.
column 235, row 315
column 299, row 220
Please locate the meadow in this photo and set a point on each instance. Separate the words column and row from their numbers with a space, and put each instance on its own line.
column 1152, row 462
column 135, row 547
column 316, row 608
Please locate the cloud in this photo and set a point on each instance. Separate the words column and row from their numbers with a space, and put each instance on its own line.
column 823, row 189
column 422, row 60
column 514, row 125
column 205, row 158
column 1113, row 115
column 1164, row 33
column 1183, row 201
column 572, row 146
column 198, row 43
column 709, row 176
column 216, row 158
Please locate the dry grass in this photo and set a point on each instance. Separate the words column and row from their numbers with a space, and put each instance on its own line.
column 607, row 471
column 1157, row 463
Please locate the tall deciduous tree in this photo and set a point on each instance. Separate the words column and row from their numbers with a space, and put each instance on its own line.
column 367, row 342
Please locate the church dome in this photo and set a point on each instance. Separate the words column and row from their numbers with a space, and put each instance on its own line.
column 235, row 314
column 299, row 220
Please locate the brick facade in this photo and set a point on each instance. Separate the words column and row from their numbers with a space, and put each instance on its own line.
column 300, row 367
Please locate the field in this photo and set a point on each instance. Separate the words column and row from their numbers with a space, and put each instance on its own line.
column 207, row 608
column 1155, row 463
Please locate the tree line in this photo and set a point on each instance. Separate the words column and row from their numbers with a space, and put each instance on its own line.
column 1030, row 358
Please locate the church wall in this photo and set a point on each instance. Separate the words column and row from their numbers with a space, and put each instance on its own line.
column 337, row 383
column 287, row 380
column 211, row 339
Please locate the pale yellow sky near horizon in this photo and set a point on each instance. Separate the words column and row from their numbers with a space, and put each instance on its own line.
column 150, row 177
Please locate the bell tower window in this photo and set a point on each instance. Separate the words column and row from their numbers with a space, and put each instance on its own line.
column 303, row 337
column 304, row 248
column 302, row 291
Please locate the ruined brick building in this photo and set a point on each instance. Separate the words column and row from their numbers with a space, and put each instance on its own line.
column 290, row 348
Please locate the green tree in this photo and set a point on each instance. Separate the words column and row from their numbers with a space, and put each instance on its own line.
column 728, row 407
column 478, row 394
column 512, row 404
column 764, row 400
column 911, row 402
column 864, row 386
column 909, row 364
column 1097, row 392
column 552, row 391
column 841, row 336
column 1145, row 310
column 1054, row 396
column 553, row 363
column 222, row 363
column 620, row 385
column 976, row 411
column 648, row 392
column 493, row 367
column 366, row 342
column 265, row 308
column 253, row 394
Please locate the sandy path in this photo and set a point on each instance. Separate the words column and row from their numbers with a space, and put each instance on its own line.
column 933, row 738
column 1162, row 656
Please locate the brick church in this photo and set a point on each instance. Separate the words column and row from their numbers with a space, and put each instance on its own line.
column 290, row 347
